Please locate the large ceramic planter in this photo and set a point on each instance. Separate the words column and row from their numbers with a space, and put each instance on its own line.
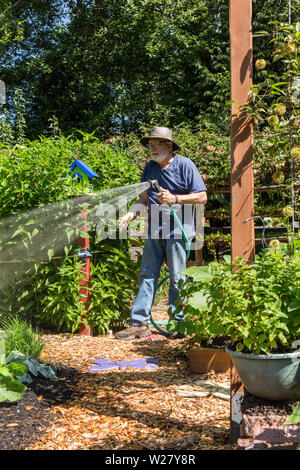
column 203, row 360
column 275, row 377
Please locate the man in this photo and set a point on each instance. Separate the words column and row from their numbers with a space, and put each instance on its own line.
column 182, row 187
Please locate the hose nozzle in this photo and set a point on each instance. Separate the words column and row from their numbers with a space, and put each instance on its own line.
column 154, row 184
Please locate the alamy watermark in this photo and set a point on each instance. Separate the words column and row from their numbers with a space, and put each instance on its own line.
column 156, row 222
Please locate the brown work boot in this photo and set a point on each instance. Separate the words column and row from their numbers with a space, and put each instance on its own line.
column 133, row 332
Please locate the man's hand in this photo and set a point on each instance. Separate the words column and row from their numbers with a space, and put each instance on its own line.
column 165, row 197
column 125, row 219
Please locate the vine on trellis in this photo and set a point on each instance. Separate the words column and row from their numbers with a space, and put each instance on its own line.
column 275, row 110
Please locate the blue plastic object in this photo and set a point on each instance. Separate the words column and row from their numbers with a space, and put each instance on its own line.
column 107, row 364
column 84, row 253
column 84, row 168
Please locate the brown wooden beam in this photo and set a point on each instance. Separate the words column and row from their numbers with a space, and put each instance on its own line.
column 242, row 176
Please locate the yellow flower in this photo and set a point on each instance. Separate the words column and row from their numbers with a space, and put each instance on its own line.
column 276, row 222
column 290, row 48
column 295, row 152
column 287, row 211
column 278, row 177
column 260, row 64
column 274, row 244
column 279, row 109
column 273, row 120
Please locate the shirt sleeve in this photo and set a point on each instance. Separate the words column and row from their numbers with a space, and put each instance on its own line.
column 194, row 180
column 145, row 175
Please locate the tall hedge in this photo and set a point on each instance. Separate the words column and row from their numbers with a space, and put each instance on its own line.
column 31, row 176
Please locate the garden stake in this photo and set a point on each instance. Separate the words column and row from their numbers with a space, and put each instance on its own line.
column 84, row 290
column 84, row 175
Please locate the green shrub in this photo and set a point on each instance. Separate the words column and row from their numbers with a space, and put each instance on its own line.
column 56, row 295
column 31, row 174
column 114, row 283
column 257, row 306
column 21, row 337
column 30, row 177
column 50, row 297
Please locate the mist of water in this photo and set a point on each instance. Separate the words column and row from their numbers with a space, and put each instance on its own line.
column 39, row 234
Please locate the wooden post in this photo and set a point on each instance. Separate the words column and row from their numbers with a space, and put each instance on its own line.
column 242, row 177
column 84, row 243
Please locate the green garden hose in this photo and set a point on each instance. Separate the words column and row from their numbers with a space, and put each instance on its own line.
column 187, row 243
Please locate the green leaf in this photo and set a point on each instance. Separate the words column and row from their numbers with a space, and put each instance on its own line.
column 199, row 273
column 295, row 416
column 172, row 326
column 10, row 388
column 17, row 369
column 239, row 347
column 198, row 301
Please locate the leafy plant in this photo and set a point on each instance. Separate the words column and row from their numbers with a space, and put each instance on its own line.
column 114, row 282
column 30, row 366
column 295, row 416
column 294, row 419
column 257, row 306
column 20, row 336
column 212, row 243
column 11, row 389
column 17, row 370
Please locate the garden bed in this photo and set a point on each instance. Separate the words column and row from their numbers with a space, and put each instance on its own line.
column 24, row 421
column 255, row 406
column 116, row 409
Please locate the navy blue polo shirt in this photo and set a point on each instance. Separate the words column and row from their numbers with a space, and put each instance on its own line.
column 181, row 177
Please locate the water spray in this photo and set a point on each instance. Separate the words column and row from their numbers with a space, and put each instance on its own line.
column 47, row 232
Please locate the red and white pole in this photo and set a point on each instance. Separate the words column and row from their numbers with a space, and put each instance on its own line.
column 84, row 243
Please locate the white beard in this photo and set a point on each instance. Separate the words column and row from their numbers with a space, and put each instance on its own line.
column 160, row 156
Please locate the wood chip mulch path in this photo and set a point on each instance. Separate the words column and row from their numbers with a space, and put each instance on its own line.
column 130, row 409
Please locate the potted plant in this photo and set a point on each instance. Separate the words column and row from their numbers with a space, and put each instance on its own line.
column 207, row 352
column 258, row 308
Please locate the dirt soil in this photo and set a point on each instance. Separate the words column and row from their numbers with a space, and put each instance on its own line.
column 115, row 409
column 255, row 406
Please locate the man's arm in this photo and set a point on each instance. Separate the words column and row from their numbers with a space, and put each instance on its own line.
column 137, row 208
column 165, row 197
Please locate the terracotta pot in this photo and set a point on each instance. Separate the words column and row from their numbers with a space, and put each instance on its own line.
column 203, row 360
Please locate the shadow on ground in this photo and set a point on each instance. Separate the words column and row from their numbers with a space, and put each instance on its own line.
column 125, row 394
column 24, row 421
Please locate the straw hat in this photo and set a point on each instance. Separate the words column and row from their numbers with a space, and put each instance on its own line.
column 160, row 133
